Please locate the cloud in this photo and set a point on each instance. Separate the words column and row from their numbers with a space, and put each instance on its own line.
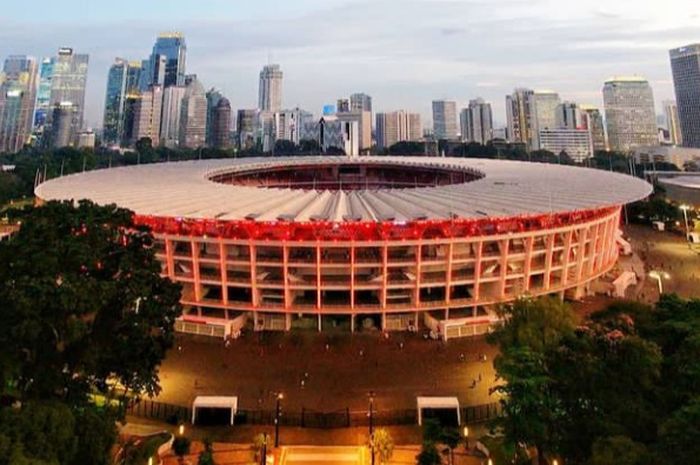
column 403, row 52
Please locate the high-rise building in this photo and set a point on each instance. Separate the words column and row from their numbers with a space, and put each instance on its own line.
column 630, row 113
column 673, row 122
column 193, row 119
column 343, row 105
column 360, row 102
column 332, row 132
column 43, row 95
column 289, row 124
column 270, row 91
column 569, row 116
column 17, row 98
column 221, row 125
column 62, row 125
column 68, row 87
column 214, row 96
column 685, row 65
column 445, row 119
column 147, row 115
column 476, row 122
column 398, row 126
column 247, row 128
column 170, row 117
column 166, row 65
column 519, row 115
column 576, row 143
column 543, row 105
column 122, row 80
column 593, row 121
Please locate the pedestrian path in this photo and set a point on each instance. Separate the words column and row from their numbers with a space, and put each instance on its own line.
column 303, row 455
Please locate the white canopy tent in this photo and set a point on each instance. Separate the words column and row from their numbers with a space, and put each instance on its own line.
column 438, row 403
column 215, row 402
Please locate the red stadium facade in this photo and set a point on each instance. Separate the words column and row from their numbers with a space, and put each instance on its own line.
column 397, row 271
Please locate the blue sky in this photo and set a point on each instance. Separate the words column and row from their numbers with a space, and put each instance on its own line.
column 403, row 52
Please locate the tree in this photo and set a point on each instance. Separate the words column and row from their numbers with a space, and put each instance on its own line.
column 285, row 147
column 619, row 450
column 679, row 440
column 206, row 457
column 335, row 151
column 82, row 302
column 383, row 445
column 181, row 447
column 451, row 437
column 428, row 455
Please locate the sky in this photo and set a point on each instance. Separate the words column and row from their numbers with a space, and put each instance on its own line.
column 404, row 53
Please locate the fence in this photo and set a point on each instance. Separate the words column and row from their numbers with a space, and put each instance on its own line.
column 307, row 418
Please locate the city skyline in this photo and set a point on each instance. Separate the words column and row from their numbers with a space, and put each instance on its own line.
column 555, row 50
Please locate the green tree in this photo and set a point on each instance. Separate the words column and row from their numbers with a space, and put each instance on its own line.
column 619, row 450
column 181, row 447
column 428, row 455
column 206, row 457
column 451, row 437
column 82, row 302
column 383, row 445
column 285, row 148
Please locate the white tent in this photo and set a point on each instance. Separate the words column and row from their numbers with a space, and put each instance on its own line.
column 438, row 403
column 218, row 402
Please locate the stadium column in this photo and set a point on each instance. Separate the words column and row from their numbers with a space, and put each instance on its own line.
column 583, row 237
column 419, row 266
column 352, row 280
column 529, row 245
column 385, row 274
column 319, row 282
column 567, row 254
column 477, row 268
column 285, row 277
column 551, row 240
column 253, row 277
column 224, row 274
column 169, row 257
column 448, row 280
column 195, row 272
column 505, row 249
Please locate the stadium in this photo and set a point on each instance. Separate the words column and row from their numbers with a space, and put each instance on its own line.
column 392, row 243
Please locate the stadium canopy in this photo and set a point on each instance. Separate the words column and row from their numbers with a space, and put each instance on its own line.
column 215, row 402
column 438, row 403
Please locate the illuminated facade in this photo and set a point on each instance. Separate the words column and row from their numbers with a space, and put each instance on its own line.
column 401, row 241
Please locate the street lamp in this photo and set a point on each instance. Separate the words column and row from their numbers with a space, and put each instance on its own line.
column 490, row 461
column 181, row 430
column 685, row 209
column 659, row 276
column 263, row 452
column 371, row 425
column 280, row 396
column 465, row 431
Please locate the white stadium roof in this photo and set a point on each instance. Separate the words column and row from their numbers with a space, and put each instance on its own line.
column 508, row 188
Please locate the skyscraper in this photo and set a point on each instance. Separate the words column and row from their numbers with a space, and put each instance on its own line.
column 343, row 105
column 673, row 122
column 685, row 65
column 221, row 125
column 445, row 119
column 569, row 116
column 360, row 102
column 17, row 98
column 122, row 80
column 147, row 113
column 167, row 61
column 43, row 95
column 193, row 117
column 398, row 126
column 519, row 115
column 247, row 128
column 62, row 125
column 543, row 105
column 630, row 113
column 270, row 90
column 593, row 121
column 68, row 87
column 476, row 122
column 171, row 114
column 214, row 96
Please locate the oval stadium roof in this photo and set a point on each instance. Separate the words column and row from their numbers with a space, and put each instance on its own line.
column 508, row 188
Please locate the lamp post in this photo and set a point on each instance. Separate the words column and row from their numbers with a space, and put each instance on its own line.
column 278, row 407
column 659, row 276
column 263, row 452
column 685, row 209
column 181, row 429
column 466, row 437
column 371, row 426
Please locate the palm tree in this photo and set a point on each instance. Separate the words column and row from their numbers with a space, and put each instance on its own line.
column 383, row 445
